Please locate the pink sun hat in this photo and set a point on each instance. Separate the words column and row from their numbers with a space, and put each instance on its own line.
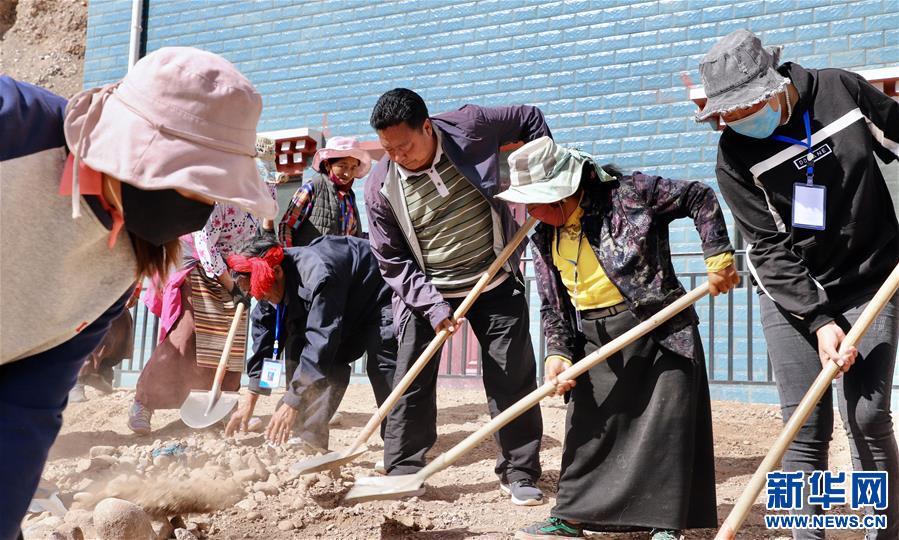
column 339, row 147
column 181, row 118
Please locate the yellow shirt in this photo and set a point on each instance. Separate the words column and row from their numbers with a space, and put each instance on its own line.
column 583, row 276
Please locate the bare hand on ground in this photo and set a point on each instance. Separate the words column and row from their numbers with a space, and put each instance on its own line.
column 241, row 417
column 280, row 426
column 723, row 280
column 553, row 367
column 830, row 336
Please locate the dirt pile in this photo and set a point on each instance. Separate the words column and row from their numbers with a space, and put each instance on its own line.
column 199, row 484
column 43, row 42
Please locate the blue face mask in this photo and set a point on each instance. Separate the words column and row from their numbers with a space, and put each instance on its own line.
column 758, row 125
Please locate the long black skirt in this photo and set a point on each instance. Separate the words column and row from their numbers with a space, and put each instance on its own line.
column 638, row 448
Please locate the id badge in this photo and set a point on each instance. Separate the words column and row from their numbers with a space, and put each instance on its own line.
column 271, row 374
column 808, row 206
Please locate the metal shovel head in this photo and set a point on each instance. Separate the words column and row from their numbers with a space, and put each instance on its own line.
column 375, row 488
column 331, row 460
column 194, row 410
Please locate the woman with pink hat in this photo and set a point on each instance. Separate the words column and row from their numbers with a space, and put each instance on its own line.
column 96, row 192
column 327, row 204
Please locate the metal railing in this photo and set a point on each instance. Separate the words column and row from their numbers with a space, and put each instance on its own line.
column 735, row 352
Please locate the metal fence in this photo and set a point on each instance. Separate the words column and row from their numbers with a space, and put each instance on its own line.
column 735, row 351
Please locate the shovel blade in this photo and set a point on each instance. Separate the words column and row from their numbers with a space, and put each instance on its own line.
column 197, row 413
column 376, row 488
column 331, row 460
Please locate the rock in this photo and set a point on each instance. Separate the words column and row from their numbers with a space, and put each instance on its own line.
column 116, row 518
column 245, row 476
column 101, row 462
column 286, row 525
column 193, row 527
column 184, row 534
column 102, row 451
column 166, row 531
column 254, row 463
column 162, row 461
column 236, row 464
column 269, row 488
column 247, row 504
column 259, row 496
column 67, row 532
column 253, row 516
column 41, row 528
column 83, row 519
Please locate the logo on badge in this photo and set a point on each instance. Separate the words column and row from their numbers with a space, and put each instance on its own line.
column 819, row 153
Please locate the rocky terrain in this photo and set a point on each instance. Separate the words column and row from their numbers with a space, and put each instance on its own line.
column 201, row 484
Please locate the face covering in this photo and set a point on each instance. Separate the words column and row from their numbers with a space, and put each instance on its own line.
column 551, row 214
column 160, row 216
column 341, row 184
column 758, row 125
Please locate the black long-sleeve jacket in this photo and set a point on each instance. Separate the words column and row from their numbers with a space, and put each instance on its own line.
column 334, row 299
column 812, row 274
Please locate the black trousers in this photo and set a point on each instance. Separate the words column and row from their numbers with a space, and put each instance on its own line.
column 863, row 398
column 321, row 400
column 499, row 319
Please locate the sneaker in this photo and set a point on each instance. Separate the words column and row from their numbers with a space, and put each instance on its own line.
column 379, row 467
column 523, row 492
column 666, row 534
column 76, row 394
column 139, row 418
column 336, row 420
column 551, row 528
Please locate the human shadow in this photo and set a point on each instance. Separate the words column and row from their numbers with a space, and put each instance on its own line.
column 729, row 467
column 392, row 533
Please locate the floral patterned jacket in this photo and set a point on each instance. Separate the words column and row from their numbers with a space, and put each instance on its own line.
column 626, row 224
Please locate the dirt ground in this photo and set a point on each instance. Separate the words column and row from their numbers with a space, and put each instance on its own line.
column 461, row 502
column 42, row 42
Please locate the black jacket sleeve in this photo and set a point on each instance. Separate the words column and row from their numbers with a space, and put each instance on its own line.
column 883, row 113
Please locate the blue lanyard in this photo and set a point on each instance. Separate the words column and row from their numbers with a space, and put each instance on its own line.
column 278, row 312
column 809, row 167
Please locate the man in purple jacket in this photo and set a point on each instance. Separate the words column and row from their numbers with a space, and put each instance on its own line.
column 435, row 227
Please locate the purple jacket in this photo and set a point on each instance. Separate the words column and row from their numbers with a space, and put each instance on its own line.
column 470, row 138
column 627, row 227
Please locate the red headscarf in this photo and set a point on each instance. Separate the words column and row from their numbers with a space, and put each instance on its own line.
column 262, row 275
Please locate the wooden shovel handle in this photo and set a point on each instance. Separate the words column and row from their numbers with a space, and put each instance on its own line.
column 441, row 337
column 822, row 383
column 596, row 357
column 226, row 352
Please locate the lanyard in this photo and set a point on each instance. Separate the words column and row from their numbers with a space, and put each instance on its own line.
column 809, row 166
column 278, row 312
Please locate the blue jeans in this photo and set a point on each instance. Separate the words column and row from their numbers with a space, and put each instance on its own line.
column 33, row 393
column 863, row 398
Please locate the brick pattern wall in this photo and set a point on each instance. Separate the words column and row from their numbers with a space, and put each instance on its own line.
column 606, row 73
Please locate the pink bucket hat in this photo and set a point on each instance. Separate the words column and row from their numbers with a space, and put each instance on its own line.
column 181, row 118
column 339, row 147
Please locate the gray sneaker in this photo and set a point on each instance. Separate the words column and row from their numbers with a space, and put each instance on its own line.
column 522, row 492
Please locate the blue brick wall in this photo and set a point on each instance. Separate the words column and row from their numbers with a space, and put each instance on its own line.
column 606, row 73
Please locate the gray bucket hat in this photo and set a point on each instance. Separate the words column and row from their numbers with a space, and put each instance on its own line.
column 543, row 172
column 738, row 72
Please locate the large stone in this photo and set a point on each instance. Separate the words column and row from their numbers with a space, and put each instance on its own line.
column 115, row 519
column 254, row 463
column 102, row 451
column 42, row 528
column 101, row 462
column 286, row 525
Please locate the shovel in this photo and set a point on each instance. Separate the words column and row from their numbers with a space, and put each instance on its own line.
column 822, row 383
column 202, row 409
column 348, row 454
column 408, row 485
